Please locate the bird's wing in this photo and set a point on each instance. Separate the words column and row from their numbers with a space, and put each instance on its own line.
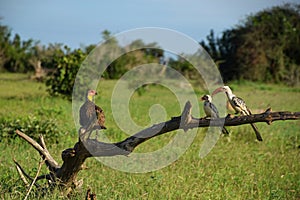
column 240, row 105
column 83, row 117
column 249, row 111
column 100, row 116
column 207, row 109
column 214, row 110
column 91, row 113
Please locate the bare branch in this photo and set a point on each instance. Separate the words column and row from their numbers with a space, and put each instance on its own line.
column 51, row 163
column 186, row 116
column 23, row 174
column 34, row 180
column 230, row 120
column 125, row 147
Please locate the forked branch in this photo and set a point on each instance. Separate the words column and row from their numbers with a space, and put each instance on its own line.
column 51, row 163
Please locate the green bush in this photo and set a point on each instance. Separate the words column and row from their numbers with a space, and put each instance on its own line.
column 61, row 82
column 264, row 47
column 30, row 125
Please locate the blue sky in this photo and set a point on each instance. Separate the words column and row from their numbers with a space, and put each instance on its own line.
column 76, row 23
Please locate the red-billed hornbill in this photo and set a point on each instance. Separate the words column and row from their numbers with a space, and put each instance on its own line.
column 238, row 105
column 211, row 110
column 91, row 116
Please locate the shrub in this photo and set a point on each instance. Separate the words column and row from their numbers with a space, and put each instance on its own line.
column 62, row 80
column 30, row 125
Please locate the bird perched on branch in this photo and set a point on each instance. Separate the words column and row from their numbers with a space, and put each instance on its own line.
column 211, row 110
column 91, row 116
column 239, row 105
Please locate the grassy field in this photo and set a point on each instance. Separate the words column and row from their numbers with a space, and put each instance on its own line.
column 237, row 168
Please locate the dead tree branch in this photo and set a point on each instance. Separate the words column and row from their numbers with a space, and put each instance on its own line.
column 22, row 174
column 73, row 158
column 34, row 180
column 51, row 163
column 184, row 122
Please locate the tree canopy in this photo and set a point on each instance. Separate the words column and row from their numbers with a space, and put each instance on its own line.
column 264, row 47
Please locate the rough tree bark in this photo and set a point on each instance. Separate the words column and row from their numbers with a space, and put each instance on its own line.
column 65, row 175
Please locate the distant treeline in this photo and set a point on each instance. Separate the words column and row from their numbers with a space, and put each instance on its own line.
column 264, row 47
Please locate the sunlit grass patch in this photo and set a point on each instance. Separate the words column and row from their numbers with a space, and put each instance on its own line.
column 238, row 167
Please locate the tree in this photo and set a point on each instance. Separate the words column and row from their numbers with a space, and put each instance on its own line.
column 212, row 46
column 14, row 52
column 65, row 176
column 265, row 47
column 61, row 82
column 4, row 44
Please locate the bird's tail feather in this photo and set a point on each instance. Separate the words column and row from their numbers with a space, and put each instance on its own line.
column 258, row 136
column 225, row 131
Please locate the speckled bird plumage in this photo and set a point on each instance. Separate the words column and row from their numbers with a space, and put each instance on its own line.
column 91, row 116
column 239, row 105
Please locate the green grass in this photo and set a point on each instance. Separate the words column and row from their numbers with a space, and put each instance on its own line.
column 237, row 168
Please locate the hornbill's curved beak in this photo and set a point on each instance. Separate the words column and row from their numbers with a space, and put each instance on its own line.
column 220, row 89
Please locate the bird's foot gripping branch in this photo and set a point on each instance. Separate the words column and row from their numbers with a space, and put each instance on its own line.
column 64, row 176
